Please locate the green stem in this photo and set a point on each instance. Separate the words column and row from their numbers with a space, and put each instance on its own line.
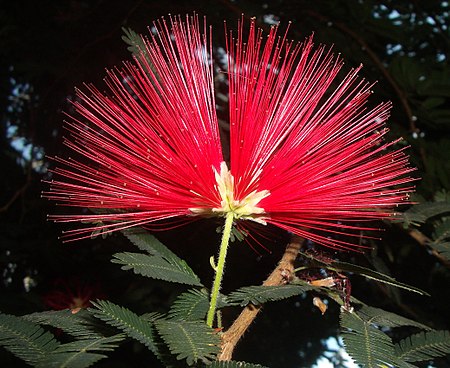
column 220, row 267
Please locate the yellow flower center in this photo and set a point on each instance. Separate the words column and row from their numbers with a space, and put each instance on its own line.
column 245, row 208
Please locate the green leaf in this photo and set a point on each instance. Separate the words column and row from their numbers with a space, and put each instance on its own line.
column 381, row 317
column 373, row 275
column 367, row 345
column 73, row 324
column 156, row 267
column 127, row 321
column 134, row 41
column 442, row 231
column 77, row 354
column 190, row 340
column 191, row 305
column 26, row 340
column 423, row 346
column 163, row 256
column 420, row 213
column 148, row 243
column 363, row 271
column 442, row 248
column 262, row 294
column 234, row 364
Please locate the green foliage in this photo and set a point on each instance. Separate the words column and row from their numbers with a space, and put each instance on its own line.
column 127, row 321
column 369, row 346
column 134, row 41
column 384, row 318
column 423, row 346
column 160, row 263
column 442, row 248
column 190, row 306
column 261, row 294
column 234, row 364
column 26, row 340
column 78, row 354
column 362, row 271
column 420, row 213
column 39, row 348
column 190, row 340
column 74, row 324
column 155, row 267
column 366, row 344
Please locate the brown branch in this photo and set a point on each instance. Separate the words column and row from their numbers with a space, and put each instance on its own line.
column 15, row 196
column 424, row 241
column 279, row 275
column 19, row 192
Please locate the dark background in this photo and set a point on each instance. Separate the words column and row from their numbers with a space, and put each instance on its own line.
column 48, row 47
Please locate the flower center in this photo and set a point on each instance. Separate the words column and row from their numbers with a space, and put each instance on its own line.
column 245, row 208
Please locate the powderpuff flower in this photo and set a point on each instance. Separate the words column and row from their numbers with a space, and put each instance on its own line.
column 307, row 154
column 73, row 294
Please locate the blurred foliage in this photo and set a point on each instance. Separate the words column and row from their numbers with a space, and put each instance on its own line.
column 49, row 47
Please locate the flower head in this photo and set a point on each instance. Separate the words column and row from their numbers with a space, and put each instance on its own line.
column 72, row 294
column 306, row 151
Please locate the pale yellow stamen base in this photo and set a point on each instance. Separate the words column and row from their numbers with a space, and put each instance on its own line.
column 245, row 209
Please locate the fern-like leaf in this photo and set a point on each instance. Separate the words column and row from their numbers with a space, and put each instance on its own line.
column 150, row 244
column 129, row 322
column 190, row 306
column 26, row 340
column 420, row 213
column 156, row 267
column 424, row 345
column 373, row 275
column 442, row 248
column 78, row 354
column 234, row 364
column 366, row 344
column 190, row 340
column 261, row 294
column 161, row 263
column 134, row 41
column 73, row 324
column 381, row 317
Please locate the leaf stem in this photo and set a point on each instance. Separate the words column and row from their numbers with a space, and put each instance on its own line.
column 220, row 266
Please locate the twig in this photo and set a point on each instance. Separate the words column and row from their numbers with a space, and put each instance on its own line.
column 279, row 275
column 424, row 241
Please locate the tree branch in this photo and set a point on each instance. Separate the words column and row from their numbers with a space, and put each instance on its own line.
column 279, row 276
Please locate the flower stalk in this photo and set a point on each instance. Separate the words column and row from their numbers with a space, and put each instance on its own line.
column 220, row 267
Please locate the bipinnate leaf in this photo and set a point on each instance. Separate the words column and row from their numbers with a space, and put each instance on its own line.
column 129, row 322
column 81, row 353
column 234, row 364
column 261, row 294
column 156, row 267
column 134, row 41
column 26, row 340
column 366, row 344
column 362, row 271
column 420, row 213
column 424, row 345
column 74, row 324
column 190, row 306
column 383, row 318
column 150, row 244
column 442, row 248
column 190, row 340
column 160, row 263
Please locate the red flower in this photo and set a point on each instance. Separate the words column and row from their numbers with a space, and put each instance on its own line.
column 72, row 294
column 305, row 156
